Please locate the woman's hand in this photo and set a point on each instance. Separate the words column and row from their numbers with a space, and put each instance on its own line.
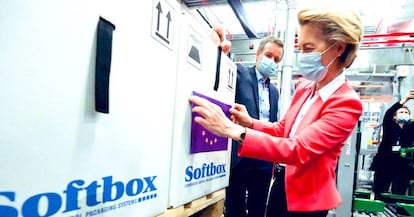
column 213, row 119
column 239, row 115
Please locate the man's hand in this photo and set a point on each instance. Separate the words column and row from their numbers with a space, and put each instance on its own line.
column 220, row 40
column 410, row 95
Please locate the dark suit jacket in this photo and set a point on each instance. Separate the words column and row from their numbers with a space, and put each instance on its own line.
column 248, row 95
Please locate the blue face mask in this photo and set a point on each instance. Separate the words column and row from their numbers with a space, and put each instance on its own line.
column 403, row 118
column 310, row 65
column 267, row 66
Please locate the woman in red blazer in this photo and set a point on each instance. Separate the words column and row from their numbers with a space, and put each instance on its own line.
column 322, row 115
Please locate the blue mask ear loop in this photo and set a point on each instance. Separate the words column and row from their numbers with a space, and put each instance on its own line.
column 329, row 64
column 328, row 48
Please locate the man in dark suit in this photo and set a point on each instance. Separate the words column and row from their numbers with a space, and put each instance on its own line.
column 250, row 178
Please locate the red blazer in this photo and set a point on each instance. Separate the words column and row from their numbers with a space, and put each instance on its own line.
column 312, row 154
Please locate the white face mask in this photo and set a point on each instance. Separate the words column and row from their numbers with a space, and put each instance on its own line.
column 403, row 118
column 310, row 65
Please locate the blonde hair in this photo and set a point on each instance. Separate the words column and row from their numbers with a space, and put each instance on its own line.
column 336, row 24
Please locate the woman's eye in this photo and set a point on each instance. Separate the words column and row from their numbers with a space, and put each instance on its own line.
column 308, row 50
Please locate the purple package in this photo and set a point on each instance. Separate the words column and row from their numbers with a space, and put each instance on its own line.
column 203, row 140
